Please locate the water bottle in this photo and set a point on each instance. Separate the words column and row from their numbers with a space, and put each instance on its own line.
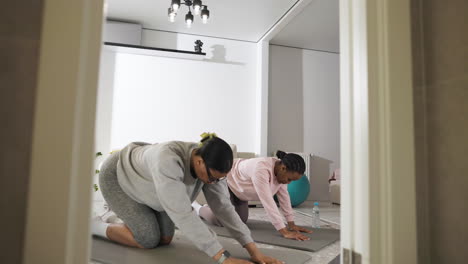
column 316, row 216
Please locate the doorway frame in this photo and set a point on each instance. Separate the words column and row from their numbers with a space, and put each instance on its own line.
column 59, row 196
column 377, row 134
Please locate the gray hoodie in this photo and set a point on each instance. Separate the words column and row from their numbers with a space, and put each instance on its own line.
column 159, row 176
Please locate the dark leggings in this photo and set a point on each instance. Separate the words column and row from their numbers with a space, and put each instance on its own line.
column 242, row 209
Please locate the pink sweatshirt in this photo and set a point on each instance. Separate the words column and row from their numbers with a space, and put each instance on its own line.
column 254, row 179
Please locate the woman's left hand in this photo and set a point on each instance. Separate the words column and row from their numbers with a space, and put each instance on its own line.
column 299, row 229
column 262, row 259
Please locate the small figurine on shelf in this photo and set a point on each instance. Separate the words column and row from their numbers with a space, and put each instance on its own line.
column 198, row 46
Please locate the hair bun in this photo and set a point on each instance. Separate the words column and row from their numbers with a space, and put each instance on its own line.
column 205, row 136
column 215, row 152
column 292, row 161
column 280, row 154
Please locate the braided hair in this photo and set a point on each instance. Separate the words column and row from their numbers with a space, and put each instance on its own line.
column 215, row 152
column 293, row 162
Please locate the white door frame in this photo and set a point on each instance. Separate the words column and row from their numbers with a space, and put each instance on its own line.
column 377, row 144
column 59, row 197
column 377, row 150
column 263, row 61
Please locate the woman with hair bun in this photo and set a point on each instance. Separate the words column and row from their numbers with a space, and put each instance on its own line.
column 151, row 188
column 260, row 179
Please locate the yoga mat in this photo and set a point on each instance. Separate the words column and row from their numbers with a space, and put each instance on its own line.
column 264, row 232
column 336, row 260
column 179, row 251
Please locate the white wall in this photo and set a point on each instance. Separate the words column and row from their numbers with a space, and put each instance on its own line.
column 157, row 99
column 322, row 105
column 103, row 125
column 285, row 104
column 304, row 102
column 104, row 102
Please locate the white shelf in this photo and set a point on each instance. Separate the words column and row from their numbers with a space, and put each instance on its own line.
column 151, row 51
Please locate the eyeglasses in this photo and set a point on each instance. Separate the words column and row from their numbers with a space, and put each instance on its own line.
column 211, row 178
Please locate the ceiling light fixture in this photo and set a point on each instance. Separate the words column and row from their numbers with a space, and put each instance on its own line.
column 198, row 9
column 171, row 14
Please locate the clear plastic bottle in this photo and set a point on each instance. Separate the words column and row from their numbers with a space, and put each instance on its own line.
column 316, row 216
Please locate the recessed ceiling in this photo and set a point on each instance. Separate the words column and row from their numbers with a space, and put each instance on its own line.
column 246, row 20
column 316, row 27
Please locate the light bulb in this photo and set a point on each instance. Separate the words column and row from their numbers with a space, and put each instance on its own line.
column 171, row 17
column 175, row 5
column 189, row 19
column 197, row 5
column 205, row 14
column 171, row 14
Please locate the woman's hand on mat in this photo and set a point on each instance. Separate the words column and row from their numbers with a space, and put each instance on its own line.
column 294, row 227
column 293, row 234
column 232, row 260
column 262, row 259
column 257, row 256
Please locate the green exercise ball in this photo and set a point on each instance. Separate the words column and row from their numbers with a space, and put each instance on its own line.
column 299, row 190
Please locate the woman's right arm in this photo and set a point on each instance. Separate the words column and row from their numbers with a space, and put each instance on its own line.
column 217, row 197
column 262, row 187
column 230, row 260
column 172, row 195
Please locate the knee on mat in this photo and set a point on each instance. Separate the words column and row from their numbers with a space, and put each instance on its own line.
column 148, row 243
column 165, row 240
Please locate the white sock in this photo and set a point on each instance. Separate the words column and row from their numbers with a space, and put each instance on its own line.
column 196, row 206
column 99, row 228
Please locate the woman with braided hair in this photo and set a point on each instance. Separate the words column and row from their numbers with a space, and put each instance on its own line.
column 151, row 188
column 260, row 179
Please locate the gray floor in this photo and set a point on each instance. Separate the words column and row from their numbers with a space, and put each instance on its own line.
column 330, row 215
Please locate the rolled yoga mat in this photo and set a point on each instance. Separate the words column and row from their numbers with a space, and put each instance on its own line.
column 264, row 232
column 181, row 250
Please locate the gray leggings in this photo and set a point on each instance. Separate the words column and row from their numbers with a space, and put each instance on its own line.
column 146, row 224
